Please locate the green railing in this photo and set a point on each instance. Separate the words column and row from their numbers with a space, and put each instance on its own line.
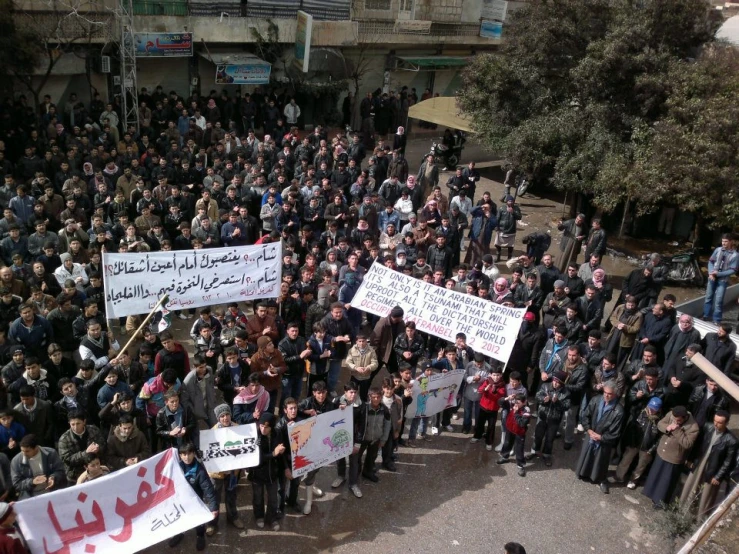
column 160, row 7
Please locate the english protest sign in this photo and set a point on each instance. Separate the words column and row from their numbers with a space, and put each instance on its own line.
column 491, row 328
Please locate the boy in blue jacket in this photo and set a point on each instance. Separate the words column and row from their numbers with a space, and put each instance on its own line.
column 198, row 478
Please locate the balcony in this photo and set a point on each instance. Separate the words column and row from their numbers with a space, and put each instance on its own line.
column 163, row 7
column 373, row 30
column 282, row 9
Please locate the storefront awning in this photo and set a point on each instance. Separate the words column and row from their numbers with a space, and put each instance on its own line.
column 232, row 58
column 430, row 63
column 441, row 110
column 239, row 68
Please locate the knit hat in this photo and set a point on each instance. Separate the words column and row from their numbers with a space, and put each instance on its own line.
column 267, row 417
column 680, row 411
column 559, row 284
column 263, row 341
column 529, row 316
column 222, row 409
column 397, row 311
column 5, row 511
column 655, row 404
column 487, row 258
column 560, row 376
column 66, row 256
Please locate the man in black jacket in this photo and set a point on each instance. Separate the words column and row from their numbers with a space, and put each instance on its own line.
column 439, row 256
column 371, row 430
column 711, row 463
column 527, row 348
column 719, row 349
column 294, row 351
column 337, row 326
column 265, row 477
column 706, row 400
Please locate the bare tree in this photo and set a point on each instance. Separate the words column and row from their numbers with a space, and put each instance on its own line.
column 39, row 38
column 368, row 34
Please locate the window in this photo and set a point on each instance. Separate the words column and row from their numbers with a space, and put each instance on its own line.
column 406, row 5
column 377, row 4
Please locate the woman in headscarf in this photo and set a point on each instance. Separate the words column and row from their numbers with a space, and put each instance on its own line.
column 605, row 289
column 501, row 293
column 415, row 192
column 399, row 140
column 251, row 402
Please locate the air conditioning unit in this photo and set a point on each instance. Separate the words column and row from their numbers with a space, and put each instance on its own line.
column 104, row 64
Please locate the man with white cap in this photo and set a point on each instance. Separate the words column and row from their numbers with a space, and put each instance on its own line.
column 225, row 481
column 71, row 270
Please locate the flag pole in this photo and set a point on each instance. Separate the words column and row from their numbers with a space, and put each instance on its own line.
column 162, row 300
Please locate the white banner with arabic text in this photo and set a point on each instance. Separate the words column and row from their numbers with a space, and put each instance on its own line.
column 125, row 511
column 134, row 282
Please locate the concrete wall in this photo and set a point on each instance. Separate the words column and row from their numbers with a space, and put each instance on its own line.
column 79, row 5
column 240, row 30
column 447, row 11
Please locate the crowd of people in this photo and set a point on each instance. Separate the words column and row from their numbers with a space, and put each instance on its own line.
column 76, row 407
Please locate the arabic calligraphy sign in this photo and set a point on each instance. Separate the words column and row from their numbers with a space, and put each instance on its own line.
column 157, row 45
column 228, row 448
column 435, row 393
column 491, row 328
column 320, row 440
column 192, row 278
column 125, row 511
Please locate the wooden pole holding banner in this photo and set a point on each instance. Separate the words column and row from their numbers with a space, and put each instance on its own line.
column 709, row 525
column 162, row 300
column 717, row 375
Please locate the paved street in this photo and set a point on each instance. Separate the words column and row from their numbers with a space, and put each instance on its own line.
column 450, row 496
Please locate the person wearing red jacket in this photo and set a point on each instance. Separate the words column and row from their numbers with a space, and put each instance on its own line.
column 517, row 423
column 491, row 390
column 11, row 540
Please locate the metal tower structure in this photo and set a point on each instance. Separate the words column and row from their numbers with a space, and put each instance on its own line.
column 129, row 88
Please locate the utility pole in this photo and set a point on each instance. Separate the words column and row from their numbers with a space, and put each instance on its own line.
column 129, row 88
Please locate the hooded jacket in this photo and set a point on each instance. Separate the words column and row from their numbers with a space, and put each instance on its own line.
column 119, row 449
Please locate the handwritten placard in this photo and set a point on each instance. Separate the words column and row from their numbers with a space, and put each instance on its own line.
column 125, row 511
column 229, row 448
column 134, row 282
column 435, row 393
column 321, row 440
column 491, row 328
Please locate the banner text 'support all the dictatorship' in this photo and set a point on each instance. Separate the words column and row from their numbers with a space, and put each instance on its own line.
column 134, row 282
column 491, row 328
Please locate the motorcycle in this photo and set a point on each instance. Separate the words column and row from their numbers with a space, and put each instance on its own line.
column 682, row 268
column 448, row 156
